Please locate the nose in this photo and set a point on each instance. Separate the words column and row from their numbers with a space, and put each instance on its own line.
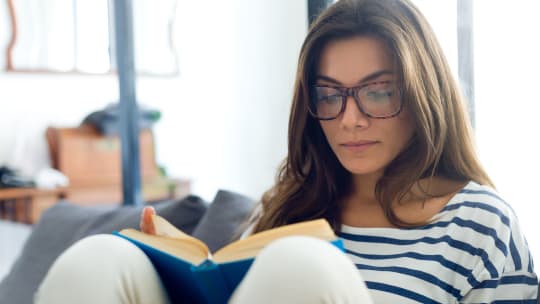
column 352, row 116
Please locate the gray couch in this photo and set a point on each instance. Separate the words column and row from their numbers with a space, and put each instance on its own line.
column 214, row 223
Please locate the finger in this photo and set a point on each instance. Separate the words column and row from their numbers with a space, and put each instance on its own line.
column 147, row 225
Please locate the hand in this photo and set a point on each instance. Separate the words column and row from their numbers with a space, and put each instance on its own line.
column 147, row 225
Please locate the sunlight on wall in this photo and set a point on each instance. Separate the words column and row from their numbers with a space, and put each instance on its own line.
column 507, row 62
column 225, row 124
column 506, row 56
column 442, row 16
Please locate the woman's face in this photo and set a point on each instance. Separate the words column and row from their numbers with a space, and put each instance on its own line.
column 363, row 145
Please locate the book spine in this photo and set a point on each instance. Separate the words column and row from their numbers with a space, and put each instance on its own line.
column 211, row 281
column 234, row 272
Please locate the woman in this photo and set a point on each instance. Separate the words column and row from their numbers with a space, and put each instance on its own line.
column 380, row 145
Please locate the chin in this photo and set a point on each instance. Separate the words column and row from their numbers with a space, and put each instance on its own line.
column 363, row 170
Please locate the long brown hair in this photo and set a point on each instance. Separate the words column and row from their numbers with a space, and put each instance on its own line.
column 311, row 182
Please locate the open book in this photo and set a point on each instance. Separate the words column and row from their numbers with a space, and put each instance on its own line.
column 192, row 274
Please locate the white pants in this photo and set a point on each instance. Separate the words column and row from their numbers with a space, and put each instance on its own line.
column 109, row 269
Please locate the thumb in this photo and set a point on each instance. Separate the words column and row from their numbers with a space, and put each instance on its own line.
column 147, row 224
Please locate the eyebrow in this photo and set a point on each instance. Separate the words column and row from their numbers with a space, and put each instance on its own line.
column 369, row 77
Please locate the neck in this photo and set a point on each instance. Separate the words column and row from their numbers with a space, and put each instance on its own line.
column 426, row 198
column 364, row 188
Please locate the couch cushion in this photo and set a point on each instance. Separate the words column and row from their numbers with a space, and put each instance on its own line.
column 224, row 216
column 65, row 223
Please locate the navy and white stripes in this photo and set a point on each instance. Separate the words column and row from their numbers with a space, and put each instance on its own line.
column 473, row 251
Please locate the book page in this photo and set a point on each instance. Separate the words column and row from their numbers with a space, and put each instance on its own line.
column 171, row 240
column 250, row 246
column 181, row 248
column 164, row 228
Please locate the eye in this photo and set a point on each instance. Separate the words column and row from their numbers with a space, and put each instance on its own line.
column 379, row 94
column 327, row 95
column 330, row 99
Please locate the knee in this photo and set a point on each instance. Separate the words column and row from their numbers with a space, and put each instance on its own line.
column 102, row 269
column 98, row 250
column 95, row 257
column 303, row 258
column 302, row 270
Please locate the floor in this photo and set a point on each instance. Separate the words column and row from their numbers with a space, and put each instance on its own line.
column 12, row 238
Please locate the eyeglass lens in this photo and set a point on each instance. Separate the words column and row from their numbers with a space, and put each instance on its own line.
column 379, row 100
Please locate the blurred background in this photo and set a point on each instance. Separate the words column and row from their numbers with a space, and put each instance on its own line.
column 220, row 76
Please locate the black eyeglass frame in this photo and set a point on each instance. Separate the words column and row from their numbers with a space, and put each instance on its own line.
column 345, row 92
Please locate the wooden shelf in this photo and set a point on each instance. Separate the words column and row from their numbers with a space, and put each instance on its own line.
column 27, row 204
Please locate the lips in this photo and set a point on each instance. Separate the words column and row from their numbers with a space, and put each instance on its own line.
column 358, row 146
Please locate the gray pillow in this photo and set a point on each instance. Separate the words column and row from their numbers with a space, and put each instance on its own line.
column 184, row 214
column 224, row 216
column 65, row 223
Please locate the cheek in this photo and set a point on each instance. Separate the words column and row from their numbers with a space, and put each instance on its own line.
column 324, row 127
column 329, row 129
column 403, row 132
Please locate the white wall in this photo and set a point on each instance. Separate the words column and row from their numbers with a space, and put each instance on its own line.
column 442, row 16
column 4, row 30
column 507, row 61
column 224, row 121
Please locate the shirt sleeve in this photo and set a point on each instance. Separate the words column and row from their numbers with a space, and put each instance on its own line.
column 510, row 287
column 515, row 280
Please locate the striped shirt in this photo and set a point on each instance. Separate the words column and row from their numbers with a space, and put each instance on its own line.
column 473, row 251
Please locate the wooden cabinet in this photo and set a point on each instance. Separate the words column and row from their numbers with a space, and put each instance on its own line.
column 92, row 163
column 89, row 158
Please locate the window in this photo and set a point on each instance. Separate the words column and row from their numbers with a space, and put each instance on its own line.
column 77, row 36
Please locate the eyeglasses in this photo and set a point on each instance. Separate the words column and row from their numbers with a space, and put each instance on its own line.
column 376, row 100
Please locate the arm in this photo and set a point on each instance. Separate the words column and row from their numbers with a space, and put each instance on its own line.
column 515, row 281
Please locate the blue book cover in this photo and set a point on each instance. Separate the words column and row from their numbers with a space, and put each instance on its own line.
column 191, row 274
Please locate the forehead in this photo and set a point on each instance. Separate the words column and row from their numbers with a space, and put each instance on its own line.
column 350, row 60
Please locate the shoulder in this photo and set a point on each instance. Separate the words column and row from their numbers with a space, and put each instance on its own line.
column 482, row 204
column 489, row 223
column 504, row 266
